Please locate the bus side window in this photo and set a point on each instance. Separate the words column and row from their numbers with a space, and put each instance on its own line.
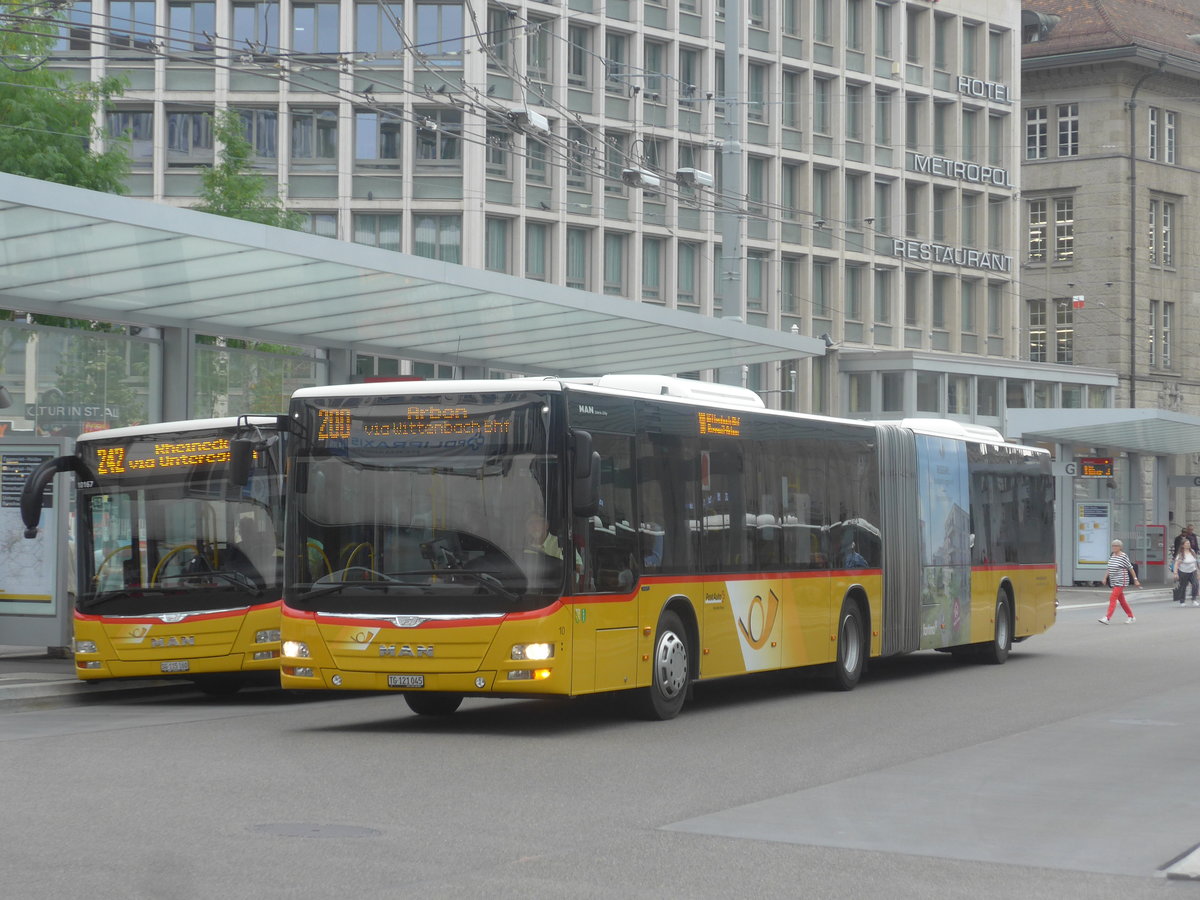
column 613, row 542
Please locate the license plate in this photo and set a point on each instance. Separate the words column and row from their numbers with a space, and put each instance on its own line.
column 175, row 665
column 408, row 681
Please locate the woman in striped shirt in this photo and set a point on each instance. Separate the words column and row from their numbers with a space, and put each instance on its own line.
column 1120, row 572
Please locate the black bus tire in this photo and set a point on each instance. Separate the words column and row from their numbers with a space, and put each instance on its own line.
column 851, row 648
column 671, row 671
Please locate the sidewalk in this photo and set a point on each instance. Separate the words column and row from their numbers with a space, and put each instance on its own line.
column 31, row 678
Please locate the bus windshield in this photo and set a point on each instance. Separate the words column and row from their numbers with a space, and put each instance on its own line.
column 162, row 530
column 429, row 503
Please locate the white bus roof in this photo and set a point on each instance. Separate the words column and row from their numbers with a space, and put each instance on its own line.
column 222, row 423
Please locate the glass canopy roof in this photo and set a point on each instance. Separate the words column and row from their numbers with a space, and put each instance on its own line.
column 82, row 254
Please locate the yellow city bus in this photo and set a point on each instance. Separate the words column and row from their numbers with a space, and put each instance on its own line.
column 542, row 536
column 178, row 569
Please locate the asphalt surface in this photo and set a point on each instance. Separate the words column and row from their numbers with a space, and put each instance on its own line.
column 33, row 677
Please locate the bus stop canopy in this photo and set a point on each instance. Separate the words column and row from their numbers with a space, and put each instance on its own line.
column 1155, row 432
column 70, row 252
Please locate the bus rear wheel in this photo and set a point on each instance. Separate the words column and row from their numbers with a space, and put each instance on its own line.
column 851, row 648
column 671, row 666
column 996, row 651
column 433, row 704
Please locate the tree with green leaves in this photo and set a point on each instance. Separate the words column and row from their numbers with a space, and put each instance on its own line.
column 47, row 120
column 231, row 189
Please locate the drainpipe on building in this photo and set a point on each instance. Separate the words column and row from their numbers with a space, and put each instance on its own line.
column 1131, row 105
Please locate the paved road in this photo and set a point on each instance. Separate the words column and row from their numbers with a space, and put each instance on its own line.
column 1068, row 772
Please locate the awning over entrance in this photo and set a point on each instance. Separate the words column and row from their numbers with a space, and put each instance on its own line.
column 1148, row 431
column 70, row 252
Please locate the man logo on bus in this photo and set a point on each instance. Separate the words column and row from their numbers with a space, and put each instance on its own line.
column 761, row 618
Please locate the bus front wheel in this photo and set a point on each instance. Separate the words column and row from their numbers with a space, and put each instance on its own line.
column 997, row 649
column 433, row 704
column 851, row 648
column 664, row 698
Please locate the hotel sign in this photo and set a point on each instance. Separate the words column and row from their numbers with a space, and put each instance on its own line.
column 956, row 168
column 984, row 90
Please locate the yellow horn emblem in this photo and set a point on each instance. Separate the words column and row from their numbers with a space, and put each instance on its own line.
column 762, row 620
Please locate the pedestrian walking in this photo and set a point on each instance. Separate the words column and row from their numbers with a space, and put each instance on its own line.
column 1185, row 565
column 1188, row 534
column 1120, row 573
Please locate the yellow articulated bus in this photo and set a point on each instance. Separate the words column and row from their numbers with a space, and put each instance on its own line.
column 178, row 569
column 639, row 534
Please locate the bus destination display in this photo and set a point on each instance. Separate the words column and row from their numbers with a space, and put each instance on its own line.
column 146, row 456
column 414, row 422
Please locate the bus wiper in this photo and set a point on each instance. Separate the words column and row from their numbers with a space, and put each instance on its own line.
column 340, row 586
column 237, row 579
column 488, row 580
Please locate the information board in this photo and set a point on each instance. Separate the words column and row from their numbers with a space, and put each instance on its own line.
column 27, row 573
column 1093, row 526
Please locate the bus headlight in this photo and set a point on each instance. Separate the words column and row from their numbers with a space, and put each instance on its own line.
column 297, row 649
column 85, row 647
column 266, row 636
column 533, row 651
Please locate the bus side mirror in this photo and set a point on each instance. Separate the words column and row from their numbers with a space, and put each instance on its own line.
column 583, row 454
column 587, row 489
column 241, row 460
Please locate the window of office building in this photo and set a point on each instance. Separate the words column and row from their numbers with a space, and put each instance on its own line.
column 929, row 392
column 539, row 50
column 261, row 129
column 1068, row 129
column 322, row 224
column 439, row 32
column 1064, row 228
column 377, row 28
column 791, row 278
column 377, row 140
column 578, row 258
column 579, row 158
column 191, row 27
column 1161, row 232
column 1161, row 138
column 616, row 63
column 756, row 92
column 822, row 288
column 438, row 142
column 131, row 24
column 1037, row 211
column 757, row 263
column 315, row 28
column 652, row 268
column 687, row 257
column 883, row 296
column 537, row 168
column 579, row 56
column 852, row 292
column 257, row 25
column 822, row 93
column 438, row 237
column 855, row 102
column 616, row 263
column 495, row 152
column 75, row 28
column 137, row 126
column 314, row 139
column 377, row 230
column 189, row 139
column 1037, row 133
column 537, row 251
column 496, row 243
column 1160, row 337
